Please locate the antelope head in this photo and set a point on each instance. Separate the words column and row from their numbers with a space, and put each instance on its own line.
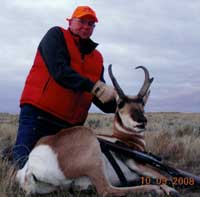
column 129, row 116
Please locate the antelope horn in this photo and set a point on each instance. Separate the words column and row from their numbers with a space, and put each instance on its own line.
column 147, row 82
column 115, row 83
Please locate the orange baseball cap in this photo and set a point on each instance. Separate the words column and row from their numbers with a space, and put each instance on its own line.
column 81, row 11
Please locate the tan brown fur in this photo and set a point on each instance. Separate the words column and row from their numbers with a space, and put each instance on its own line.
column 83, row 158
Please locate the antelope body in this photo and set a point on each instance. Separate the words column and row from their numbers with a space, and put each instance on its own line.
column 74, row 156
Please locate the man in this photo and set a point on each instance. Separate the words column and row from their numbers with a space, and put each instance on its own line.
column 66, row 77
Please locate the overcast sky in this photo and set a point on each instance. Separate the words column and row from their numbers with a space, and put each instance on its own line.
column 163, row 35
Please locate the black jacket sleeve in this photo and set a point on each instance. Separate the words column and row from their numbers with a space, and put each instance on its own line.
column 57, row 59
column 109, row 107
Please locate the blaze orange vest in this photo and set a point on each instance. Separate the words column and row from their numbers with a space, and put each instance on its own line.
column 42, row 91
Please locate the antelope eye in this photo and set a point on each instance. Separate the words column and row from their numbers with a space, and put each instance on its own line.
column 120, row 104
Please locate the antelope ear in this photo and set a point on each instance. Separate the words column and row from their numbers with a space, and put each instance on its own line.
column 146, row 96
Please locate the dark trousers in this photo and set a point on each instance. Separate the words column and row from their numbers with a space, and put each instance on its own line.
column 33, row 124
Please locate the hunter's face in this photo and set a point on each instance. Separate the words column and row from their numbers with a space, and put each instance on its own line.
column 82, row 27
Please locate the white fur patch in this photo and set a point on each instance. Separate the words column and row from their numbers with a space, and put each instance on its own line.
column 111, row 139
column 120, row 128
column 43, row 164
column 82, row 182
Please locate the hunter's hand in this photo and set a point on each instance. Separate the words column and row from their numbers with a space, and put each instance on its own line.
column 103, row 92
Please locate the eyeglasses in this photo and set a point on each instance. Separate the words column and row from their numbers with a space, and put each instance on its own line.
column 85, row 22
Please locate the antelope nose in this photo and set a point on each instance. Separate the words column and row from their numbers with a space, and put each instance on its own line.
column 143, row 122
column 142, row 119
column 138, row 117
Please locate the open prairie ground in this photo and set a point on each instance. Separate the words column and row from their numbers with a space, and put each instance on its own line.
column 175, row 137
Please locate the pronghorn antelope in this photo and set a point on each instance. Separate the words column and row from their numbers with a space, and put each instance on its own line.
column 74, row 155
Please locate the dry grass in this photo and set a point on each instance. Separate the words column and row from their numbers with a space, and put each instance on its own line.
column 173, row 136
